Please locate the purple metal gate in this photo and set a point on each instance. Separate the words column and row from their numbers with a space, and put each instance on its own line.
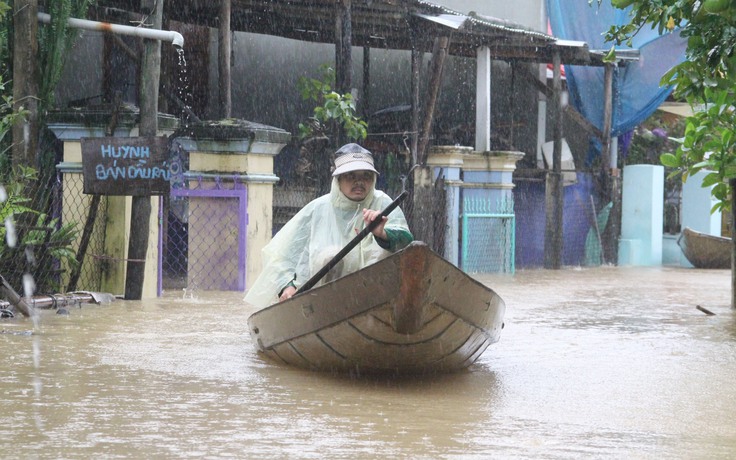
column 202, row 238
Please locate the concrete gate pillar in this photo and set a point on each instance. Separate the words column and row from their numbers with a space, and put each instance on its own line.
column 642, row 211
column 489, row 175
column 227, row 154
column 486, row 177
column 447, row 161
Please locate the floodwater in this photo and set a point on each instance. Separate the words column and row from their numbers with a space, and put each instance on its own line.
column 593, row 363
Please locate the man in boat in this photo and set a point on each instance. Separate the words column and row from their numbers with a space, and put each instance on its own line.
column 327, row 224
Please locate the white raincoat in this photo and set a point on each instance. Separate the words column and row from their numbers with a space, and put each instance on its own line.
column 314, row 236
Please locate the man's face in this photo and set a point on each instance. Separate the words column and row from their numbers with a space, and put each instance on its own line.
column 356, row 184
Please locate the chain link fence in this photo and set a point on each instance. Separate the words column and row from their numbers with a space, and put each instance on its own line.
column 59, row 250
column 88, row 214
column 203, row 237
column 488, row 236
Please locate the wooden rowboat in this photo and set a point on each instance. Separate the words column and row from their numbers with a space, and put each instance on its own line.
column 410, row 313
column 705, row 251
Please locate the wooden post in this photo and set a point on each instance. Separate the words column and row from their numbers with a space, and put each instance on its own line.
column 14, row 298
column 343, row 47
column 423, row 206
column 224, row 52
column 607, row 118
column 366, row 82
column 25, row 81
column 416, row 64
column 512, row 101
column 611, row 189
column 141, row 205
column 554, row 191
column 439, row 54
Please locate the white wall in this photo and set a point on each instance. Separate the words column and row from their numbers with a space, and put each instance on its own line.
column 526, row 12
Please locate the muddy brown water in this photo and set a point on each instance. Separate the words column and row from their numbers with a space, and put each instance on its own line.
column 593, row 363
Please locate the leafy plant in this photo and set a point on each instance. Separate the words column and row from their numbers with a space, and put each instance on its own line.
column 13, row 203
column 332, row 108
column 8, row 118
column 709, row 144
column 56, row 237
column 50, row 243
column 653, row 137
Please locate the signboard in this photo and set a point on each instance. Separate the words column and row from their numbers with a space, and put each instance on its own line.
column 136, row 166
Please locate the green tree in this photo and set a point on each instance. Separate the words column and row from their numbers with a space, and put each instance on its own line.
column 706, row 79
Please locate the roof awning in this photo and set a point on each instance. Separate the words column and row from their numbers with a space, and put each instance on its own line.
column 452, row 21
column 681, row 109
column 387, row 24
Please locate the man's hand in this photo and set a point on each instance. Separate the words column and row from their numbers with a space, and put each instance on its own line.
column 287, row 293
column 369, row 215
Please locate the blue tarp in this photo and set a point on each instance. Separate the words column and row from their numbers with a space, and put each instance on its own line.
column 530, row 210
column 637, row 92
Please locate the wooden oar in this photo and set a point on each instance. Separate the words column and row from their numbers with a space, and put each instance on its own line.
column 354, row 242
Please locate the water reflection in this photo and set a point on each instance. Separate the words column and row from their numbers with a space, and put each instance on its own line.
column 592, row 363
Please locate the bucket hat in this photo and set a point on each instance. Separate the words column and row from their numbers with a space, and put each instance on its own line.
column 352, row 157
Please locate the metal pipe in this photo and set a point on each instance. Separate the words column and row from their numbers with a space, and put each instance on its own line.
column 175, row 38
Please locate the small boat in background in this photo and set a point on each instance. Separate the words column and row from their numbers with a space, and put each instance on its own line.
column 410, row 313
column 705, row 251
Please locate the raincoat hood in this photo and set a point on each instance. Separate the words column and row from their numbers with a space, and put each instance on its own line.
column 340, row 201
